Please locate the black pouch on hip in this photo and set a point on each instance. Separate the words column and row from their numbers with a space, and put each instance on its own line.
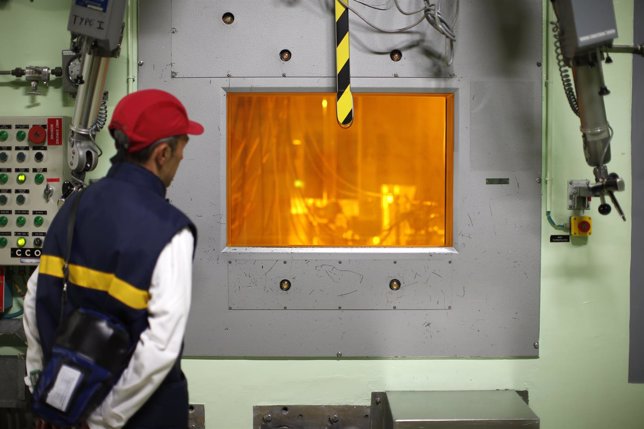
column 90, row 352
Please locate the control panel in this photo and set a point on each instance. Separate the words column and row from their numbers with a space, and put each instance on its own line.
column 32, row 171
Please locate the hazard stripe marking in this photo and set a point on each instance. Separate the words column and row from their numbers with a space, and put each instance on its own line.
column 344, row 99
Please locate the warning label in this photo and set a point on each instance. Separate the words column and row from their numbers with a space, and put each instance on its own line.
column 54, row 131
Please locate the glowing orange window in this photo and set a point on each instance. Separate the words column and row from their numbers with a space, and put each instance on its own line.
column 296, row 178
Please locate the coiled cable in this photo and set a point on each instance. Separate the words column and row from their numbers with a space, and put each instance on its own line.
column 101, row 117
column 566, row 81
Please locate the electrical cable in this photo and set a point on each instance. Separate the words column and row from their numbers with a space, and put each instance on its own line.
column 371, row 6
column 431, row 13
column 383, row 30
column 13, row 315
column 552, row 223
column 436, row 20
column 404, row 12
column 569, row 89
column 101, row 117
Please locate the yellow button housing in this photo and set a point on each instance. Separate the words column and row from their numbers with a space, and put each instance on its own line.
column 581, row 226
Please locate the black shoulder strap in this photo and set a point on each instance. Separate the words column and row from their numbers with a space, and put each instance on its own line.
column 71, row 222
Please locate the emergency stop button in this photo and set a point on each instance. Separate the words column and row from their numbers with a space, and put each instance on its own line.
column 37, row 134
column 581, row 226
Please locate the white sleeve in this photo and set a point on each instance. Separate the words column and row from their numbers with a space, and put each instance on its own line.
column 160, row 344
column 33, row 361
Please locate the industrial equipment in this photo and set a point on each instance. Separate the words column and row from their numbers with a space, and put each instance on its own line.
column 413, row 232
column 35, row 75
column 583, row 40
column 32, row 171
column 97, row 30
column 483, row 409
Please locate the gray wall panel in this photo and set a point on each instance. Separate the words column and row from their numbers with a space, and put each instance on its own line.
column 636, row 370
column 479, row 298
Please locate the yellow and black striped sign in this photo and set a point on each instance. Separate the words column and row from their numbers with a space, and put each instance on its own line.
column 344, row 99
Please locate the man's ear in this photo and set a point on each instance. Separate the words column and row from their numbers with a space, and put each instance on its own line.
column 162, row 153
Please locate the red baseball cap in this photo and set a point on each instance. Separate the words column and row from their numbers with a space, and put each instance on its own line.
column 150, row 115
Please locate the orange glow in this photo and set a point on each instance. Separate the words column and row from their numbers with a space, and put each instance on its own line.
column 296, row 178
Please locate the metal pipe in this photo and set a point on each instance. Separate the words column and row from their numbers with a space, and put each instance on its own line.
column 90, row 93
column 592, row 113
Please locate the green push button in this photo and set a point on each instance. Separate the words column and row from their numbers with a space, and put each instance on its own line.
column 4, row 221
column 21, row 241
column 4, row 178
column 3, row 242
column 22, row 178
column 4, row 136
column 21, row 135
column 21, row 221
column 39, row 220
column 39, row 178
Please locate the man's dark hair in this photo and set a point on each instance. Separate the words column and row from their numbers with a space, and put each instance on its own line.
column 142, row 156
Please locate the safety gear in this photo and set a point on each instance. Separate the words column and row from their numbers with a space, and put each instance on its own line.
column 149, row 115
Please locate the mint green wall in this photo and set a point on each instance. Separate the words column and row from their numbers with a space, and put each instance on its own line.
column 578, row 382
column 33, row 33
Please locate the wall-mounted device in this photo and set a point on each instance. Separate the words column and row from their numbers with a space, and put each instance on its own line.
column 32, row 170
column 97, row 29
column 35, row 75
column 414, row 232
column 584, row 35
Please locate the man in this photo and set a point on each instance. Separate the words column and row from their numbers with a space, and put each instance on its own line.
column 131, row 258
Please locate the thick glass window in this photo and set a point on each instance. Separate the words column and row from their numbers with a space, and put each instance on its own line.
column 296, row 178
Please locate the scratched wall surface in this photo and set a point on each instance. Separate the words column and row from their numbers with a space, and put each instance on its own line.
column 479, row 298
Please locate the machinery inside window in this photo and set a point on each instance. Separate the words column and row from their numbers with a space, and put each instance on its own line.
column 298, row 179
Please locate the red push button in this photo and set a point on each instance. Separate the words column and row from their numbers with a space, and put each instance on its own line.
column 581, row 226
column 37, row 134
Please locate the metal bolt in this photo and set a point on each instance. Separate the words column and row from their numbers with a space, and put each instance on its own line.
column 228, row 18
column 334, row 419
column 395, row 55
column 173, row 30
column 173, row 74
column 394, row 284
column 285, row 55
column 378, row 400
column 285, row 284
column 538, row 179
column 538, row 63
column 338, row 355
column 536, row 345
column 267, row 418
column 140, row 63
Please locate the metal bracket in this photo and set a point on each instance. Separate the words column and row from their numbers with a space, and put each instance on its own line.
column 196, row 416
column 579, row 195
column 311, row 416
